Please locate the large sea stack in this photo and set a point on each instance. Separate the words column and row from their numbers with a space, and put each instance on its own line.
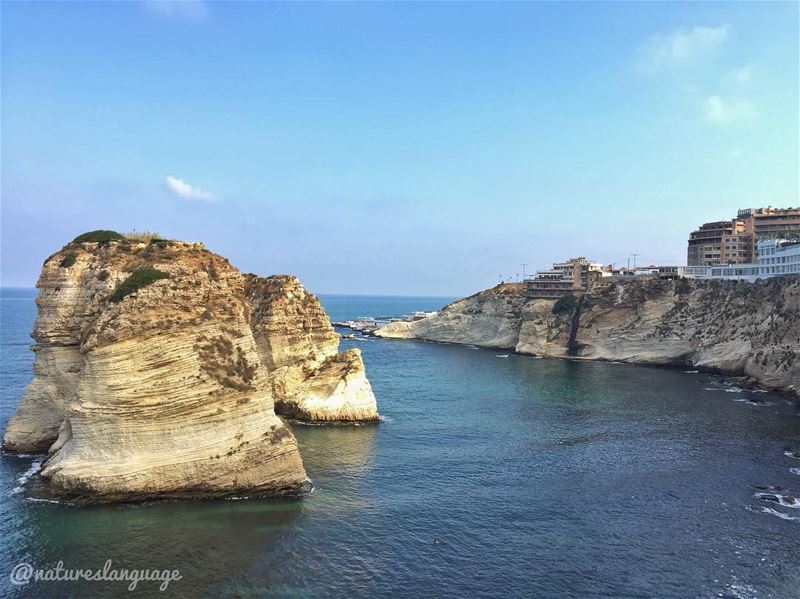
column 148, row 381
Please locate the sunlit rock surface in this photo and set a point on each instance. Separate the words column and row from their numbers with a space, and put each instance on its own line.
column 311, row 381
column 736, row 328
column 160, row 393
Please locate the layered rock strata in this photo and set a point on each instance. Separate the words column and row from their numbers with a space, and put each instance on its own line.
column 311, row 381
column 731, row 327
column 147, row 381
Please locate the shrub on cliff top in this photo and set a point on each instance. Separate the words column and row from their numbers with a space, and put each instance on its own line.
column 100, row 236
column 566, row 304
column 145, row 236
column 141, row 277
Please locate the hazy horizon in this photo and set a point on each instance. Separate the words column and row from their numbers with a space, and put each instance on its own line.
column 394, row 149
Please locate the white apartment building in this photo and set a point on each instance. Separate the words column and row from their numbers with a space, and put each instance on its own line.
column 776, row 257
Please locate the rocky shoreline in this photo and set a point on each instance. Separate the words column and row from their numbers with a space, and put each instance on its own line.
column 746, row 332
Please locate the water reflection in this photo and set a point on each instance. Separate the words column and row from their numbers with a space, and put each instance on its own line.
column 337, row 458
column 208, row 541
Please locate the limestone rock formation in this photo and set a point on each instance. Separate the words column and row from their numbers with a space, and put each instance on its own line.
column 490, row 318
column 148, row 374
column 311, row 381
column 731, row 327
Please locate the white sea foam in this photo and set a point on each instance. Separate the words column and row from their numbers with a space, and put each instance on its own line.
column 783, row 500
column 768, row 510
column 34, row 468
column 740, row 591
column 43, row 500
column 795, row 471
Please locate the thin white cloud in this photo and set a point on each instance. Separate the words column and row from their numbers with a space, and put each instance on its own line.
column 183, row 190
column 720, row 112
column 742, row 74
column 188, row 10
column 680, row 47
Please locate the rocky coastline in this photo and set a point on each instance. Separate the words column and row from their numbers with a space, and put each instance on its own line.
column 161, row 372
column 748, row 332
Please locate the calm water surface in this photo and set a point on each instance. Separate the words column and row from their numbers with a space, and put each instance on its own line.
column 541, row 478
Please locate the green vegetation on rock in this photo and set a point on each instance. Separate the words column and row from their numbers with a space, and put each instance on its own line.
column 100, row 236
column 141, row 277
column 145, row 236
column 566, row 304
column 68, row 260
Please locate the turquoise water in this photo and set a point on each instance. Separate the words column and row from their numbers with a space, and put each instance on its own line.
column 540, row 478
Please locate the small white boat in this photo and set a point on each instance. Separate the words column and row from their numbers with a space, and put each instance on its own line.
column 501, row 355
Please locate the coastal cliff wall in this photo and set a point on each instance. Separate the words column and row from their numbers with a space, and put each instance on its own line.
column 727, row 326
column 154, row 377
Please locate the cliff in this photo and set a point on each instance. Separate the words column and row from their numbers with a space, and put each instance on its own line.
column 732, row 327
column 311, row 381
column 491, row 318
column 149, row 382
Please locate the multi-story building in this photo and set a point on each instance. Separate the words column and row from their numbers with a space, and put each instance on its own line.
column 720, row 242
column 771, row 223
column 734, row 241
column 776, row 257
column 573, row 276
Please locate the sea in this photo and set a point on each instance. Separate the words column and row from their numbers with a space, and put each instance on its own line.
column 492, row 475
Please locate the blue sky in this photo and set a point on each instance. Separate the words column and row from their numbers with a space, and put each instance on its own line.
column 396, row 148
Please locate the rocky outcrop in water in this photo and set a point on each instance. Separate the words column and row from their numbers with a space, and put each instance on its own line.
column 311, row 381
column 149, row 381
column 732, row 327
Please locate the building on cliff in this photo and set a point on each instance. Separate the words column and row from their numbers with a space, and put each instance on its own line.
column 721, row 242
column 571, row 277
column 771, row 223
column 775, row 258
column 735, row 241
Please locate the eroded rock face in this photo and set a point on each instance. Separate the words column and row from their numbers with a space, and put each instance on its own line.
column 63, row 306
column 491, row 318
column 159, row 394
column 311, row 381
column 733, row 327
